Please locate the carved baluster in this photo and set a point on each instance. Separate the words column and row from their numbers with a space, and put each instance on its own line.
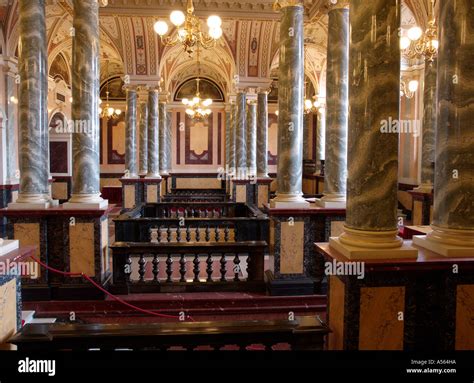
column 218, row 234
column 223, row 269
column 182, row 268
column 156, row 263
column 236, row 267
column 169, row 268
column 178, row 233
column 226, row 233
column 209, row 267
column 128, row 268
column 168, row 233
column 141, row 268
column 208, row 233
column 188, row 234
column 196, row 268
column 198, row 234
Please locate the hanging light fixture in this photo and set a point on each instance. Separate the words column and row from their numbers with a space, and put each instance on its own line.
column 108, row 112
column 189, row 30
column 416, row 43
column 197, row 108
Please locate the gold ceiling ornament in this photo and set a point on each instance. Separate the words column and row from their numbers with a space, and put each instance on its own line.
column 338, row 4
column 107, row 111
column 279, row 4
column 189, row 30
column 196, row 108
column 416, row 44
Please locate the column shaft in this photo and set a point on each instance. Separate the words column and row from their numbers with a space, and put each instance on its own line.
column 262, row 135
column 240, row 134
column 252, row 138
column 143, row 138
column 153, row 136
column 291, row 94
column 33, row 114
column 233, row 120
column 130, row 135
column 454, row 178
column 163, row 127
column 85, row 106
column 227, row 136
column 429, row 125
column 337, row 106
column 169, row 152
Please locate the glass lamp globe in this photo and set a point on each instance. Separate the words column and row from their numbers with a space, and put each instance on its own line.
column 413, row 86
column 110, row 111
column 404, row 42
column 414, row 33
column 118, row 112
column 185, row 101
column 215, row 33
column 214, row 21
column 177, row 18
column 161, row 27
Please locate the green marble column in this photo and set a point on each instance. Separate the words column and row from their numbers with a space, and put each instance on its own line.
column 290, row 106
column 131, row 134
column 371, row 216
column 453, row 209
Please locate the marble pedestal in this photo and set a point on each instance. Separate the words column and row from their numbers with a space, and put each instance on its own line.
column 164, row 184
column 8, row 194
column 296, row 267
column 132, row 192
column 262, row 192
column 401, row 304
column 244, row 191
column 10, row 291
column 422, row 210
column 152, row 190
column 69, row 240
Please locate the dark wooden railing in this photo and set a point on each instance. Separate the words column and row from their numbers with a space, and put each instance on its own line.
column 195, row 195
column 303, row 333
column 191, row 266
column 192, row 222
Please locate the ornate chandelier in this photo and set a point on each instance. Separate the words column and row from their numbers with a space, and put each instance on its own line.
column 108, row 112
column 416, row 43
column 197, row 108
column 189, row 30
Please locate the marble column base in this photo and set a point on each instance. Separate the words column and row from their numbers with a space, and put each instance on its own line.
column 448, row 242
column 29, row 205
column 94, row 204
column 366, row 253
column 424, row 188
column 288, row 201
column 332, row 202
column 7, row 245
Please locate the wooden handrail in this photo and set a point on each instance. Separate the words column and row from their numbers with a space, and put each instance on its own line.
column 303, row 333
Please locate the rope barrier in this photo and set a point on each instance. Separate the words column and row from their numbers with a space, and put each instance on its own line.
column 99, row 287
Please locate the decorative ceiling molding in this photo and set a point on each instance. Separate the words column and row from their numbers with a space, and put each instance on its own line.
column 261, row 10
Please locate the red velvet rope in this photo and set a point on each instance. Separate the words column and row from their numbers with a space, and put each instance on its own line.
column 98, row 286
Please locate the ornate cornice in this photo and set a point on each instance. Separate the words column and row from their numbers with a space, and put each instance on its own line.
column 261, row 10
